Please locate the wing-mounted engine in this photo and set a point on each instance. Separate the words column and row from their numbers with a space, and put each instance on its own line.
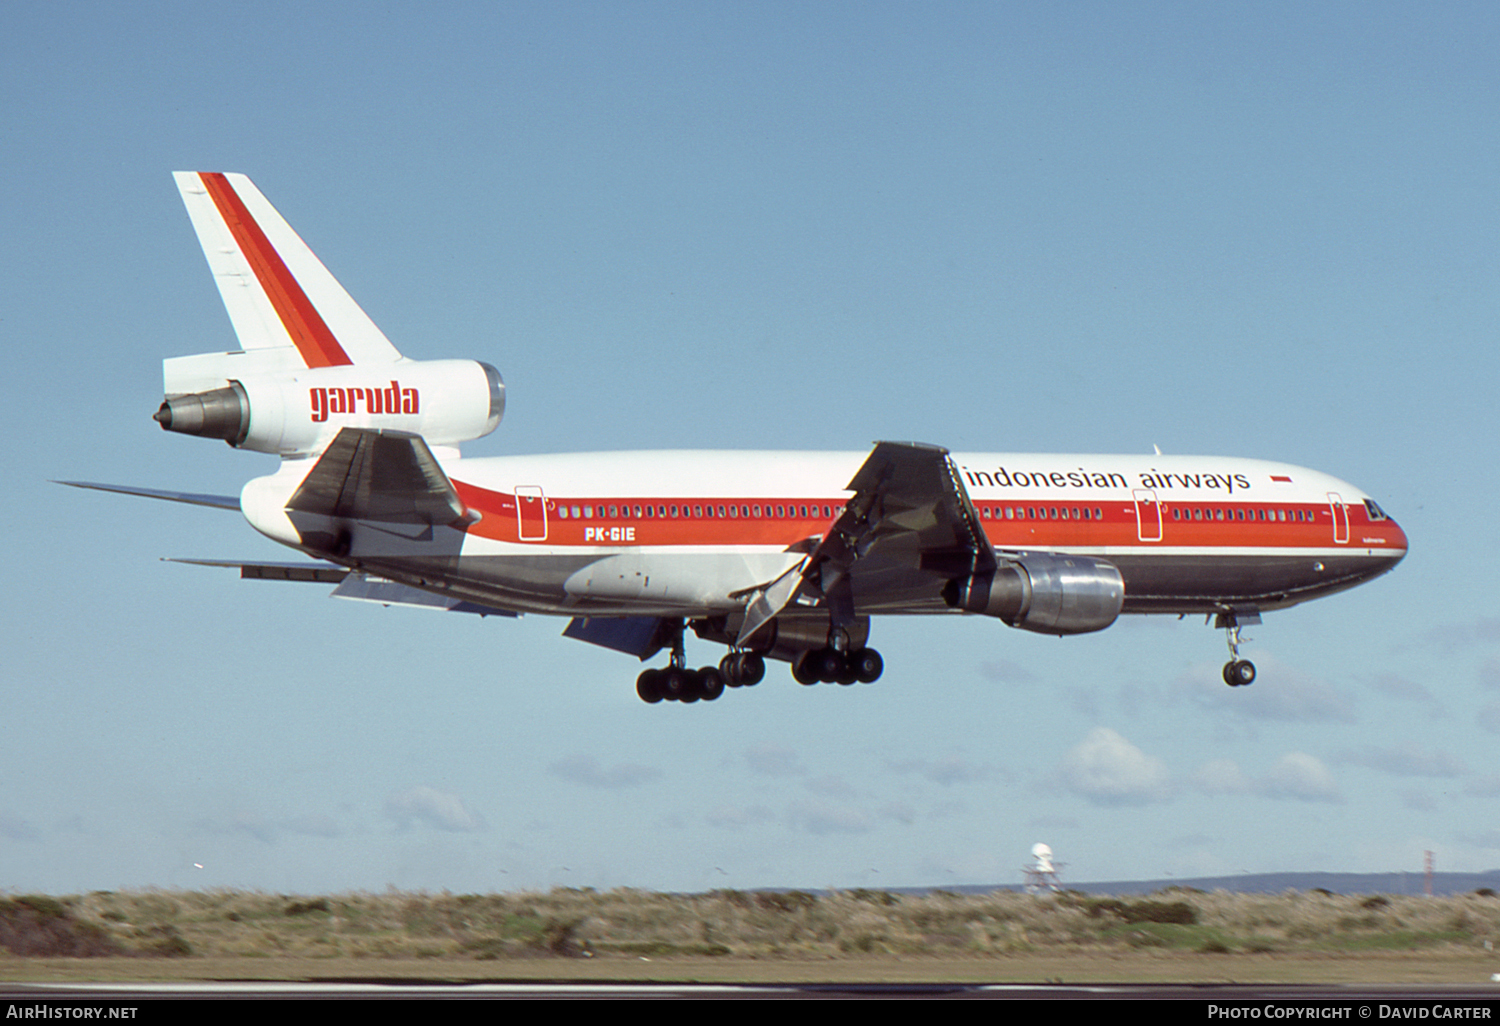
column 1044, row 592
column 298, row 411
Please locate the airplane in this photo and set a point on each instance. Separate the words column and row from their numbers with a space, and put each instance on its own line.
column 777, row 555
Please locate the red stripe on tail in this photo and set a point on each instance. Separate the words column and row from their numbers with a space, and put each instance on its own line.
column 311, row 336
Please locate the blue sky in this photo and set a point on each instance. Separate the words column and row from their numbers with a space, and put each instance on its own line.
column 1262, row 229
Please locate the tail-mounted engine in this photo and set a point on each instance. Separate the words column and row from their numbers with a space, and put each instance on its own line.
column 1049, row 594
column 297, row 411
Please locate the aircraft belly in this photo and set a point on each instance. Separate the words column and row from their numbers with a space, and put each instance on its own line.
column 1160, row 583
column 702, row 580
column 623, row 583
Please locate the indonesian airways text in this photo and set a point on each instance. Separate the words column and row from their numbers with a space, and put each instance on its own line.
column 1000, row 477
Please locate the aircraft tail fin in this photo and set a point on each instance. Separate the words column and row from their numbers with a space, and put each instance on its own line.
column 285, row 305
column 312, row 361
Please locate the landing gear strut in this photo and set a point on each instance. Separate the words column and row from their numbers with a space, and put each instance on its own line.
column 1237, row 672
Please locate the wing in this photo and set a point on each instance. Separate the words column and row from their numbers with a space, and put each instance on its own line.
column 909, row 529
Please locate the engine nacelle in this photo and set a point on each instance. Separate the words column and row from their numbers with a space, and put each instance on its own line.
column 299, row 411
column 1045, row 593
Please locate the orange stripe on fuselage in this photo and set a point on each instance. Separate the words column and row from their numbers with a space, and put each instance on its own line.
column 1042, row 528
column 301, row 319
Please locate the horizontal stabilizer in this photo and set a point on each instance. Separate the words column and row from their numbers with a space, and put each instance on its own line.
column 315, row 573
column 384, row 476
column 194, row 498
column 351, row 585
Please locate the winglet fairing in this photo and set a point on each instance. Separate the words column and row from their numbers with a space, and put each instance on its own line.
column 776, row 555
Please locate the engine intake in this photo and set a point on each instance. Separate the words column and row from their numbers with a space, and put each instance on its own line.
column 1044, row 593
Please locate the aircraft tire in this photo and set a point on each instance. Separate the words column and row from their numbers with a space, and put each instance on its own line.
column 832, row 665
column 711, row 683
column 1239, row 673
column 648, row 686
column 868, row 666
column 752, row 669
column 805, row 669
column 676, row 684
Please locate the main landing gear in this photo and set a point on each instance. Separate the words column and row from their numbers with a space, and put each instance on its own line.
column 677, row 683
column 831, row 666
column 1237, row 672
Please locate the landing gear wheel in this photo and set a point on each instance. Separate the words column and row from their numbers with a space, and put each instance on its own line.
column 867, row 665
column 831, row 664
column 1239, row 672
column 676, row 684
column 742, row 669
column 648, row 686
column 805, row 669
column 710, row 683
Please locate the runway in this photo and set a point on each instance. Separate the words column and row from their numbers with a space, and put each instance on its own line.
column 1289, row 1001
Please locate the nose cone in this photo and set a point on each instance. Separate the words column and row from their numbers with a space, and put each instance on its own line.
column 1396, row 539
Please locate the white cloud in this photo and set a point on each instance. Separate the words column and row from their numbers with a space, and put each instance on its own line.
column 586, row 770
column 1109, row 770
column 1408, row 761
column 738, row 815
column 1299, row 776
column 773, row 760
column 946, row 771
column 823, row 818
column 432, row 807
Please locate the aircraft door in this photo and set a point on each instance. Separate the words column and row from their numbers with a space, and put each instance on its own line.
column 531, row 512
column 1340, row 519
column 1147, row 515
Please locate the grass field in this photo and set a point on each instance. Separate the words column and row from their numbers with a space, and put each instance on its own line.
column 747, row 936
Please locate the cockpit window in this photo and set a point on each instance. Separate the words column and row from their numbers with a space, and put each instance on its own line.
column 1375, row 512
